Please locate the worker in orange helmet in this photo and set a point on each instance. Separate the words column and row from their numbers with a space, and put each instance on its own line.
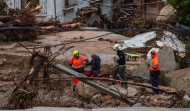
column 76, row 63
column 154, row 70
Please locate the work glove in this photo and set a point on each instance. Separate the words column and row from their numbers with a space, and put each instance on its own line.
column 147, row 64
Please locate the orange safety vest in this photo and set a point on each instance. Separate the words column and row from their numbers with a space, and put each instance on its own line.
column 77, row 63
column 154, row 65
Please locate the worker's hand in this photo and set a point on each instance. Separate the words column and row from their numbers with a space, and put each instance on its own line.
column 86, row 65
column 147, row 64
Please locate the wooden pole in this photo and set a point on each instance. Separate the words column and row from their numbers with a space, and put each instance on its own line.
column 55, row 10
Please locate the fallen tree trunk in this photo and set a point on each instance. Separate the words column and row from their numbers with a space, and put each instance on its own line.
column 74, row 25
column 14, row 22
column 4, row 18
column 37, row 62
column 36, row 8
column 25, row 19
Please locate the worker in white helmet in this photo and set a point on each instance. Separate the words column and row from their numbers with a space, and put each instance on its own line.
column 120, row 67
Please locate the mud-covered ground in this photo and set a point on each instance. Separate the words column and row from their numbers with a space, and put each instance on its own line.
column 57, row 92
column 50, row 92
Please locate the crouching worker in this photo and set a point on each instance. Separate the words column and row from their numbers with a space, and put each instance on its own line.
column 76, row 64
column 120, row 67
column 154, row 70
column 95, row 66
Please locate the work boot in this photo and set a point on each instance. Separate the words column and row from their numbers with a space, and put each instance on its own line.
column 74, row 88
column 125, row 86
column 155, row 93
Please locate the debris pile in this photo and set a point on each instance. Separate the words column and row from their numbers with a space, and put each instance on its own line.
column 3, row 7
column 26, row 18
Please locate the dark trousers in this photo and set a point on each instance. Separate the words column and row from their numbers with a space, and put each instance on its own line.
column 79, row 70
column 154, row 76
column 121, row 72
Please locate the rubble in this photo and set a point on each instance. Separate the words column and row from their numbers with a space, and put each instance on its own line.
column 8, row 47
column 85, row 90
column 2, row 60
column 3, row 7
column 56, row 90
column 130, row 92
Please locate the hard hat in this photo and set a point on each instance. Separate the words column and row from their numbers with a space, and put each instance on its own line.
column 76, row 53
column 152, row 52
column 116, row 47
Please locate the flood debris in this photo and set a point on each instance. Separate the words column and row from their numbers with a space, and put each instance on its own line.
column 20, row 94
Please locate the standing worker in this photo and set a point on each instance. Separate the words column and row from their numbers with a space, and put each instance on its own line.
column 120, row 68
column 76, row 63
column 95, row 66
column 154, row 70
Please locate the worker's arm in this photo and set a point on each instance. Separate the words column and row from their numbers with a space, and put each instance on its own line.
column 71, row 62
column 89, row 63
column 121, row 56
column 98, row 66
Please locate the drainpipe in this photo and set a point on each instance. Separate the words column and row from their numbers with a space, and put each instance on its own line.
column 55, row 10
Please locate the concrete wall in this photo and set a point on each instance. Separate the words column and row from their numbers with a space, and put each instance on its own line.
column 83, row 3
column 15, row 4
column 61, row 15
column 107, row 10
column 92, row 19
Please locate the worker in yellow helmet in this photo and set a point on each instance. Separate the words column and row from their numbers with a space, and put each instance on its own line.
column 76, row 62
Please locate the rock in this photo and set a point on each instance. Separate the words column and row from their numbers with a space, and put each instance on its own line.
column 180, row 80
column 108, row 98
column 143, row 70
column 85, row 90
column 130, row 92
column 138, row 105
column 167, row 10
column 166, row 62
column 186, row 97
column 97, row 98
column 167, row 59
column 2, row 60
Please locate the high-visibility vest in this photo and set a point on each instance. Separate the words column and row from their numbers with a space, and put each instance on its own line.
column 154, row 65
column 77, row 63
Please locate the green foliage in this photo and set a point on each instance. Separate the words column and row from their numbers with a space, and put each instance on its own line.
column 182, row 8
column 131, row 52
column 15, row 96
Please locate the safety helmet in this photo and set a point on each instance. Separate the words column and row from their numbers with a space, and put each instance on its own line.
column 152, row 52
column 116, row 47
column 76, row 53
